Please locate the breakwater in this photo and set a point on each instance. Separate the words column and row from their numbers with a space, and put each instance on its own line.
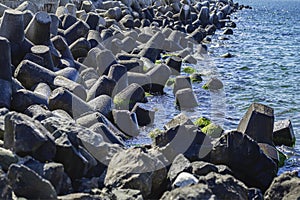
column 76, row 85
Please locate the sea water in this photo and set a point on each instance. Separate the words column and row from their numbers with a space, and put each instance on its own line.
column 265, row 68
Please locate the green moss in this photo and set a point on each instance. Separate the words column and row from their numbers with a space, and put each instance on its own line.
column 212, row 130
column 202, row 122
column 189, row 70
column 154, row 133
column 170, row 81
column 122, row 103
column 157, row 62
column 205, row 87
column 148, row 94
column 282, row 158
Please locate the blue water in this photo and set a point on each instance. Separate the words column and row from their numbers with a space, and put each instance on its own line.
column 265, row 69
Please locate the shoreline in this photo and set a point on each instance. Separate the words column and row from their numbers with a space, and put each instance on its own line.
column 73, row 90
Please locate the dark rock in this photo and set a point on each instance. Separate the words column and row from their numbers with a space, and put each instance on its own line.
column 6, row 72
column 129, row 96
column 43, row 52
column 118, row 73
column 197, row 35
column 27, row 183
column 214, row 186
column 159, row 76
column 63, row 99
column 80, row 48
column 174, row 63
column 38, row 30
column 23, row 98
column 144, row 116
column 26, row 136
column 179, row 164
column 81, row 196
column 30, row 74
column 53, row 172
column 7, row 158
column 228, row 31
column 76, row 31
column 256, row 170
column 107, row 134
column 283, row 133
column 201, row 168
column 189, row 141
column 258, row 123
column 92, row 20
column 126, row 121
column 102, row 104
column 285, row 186
column 103, row 86
column 135, row 169
column 153, row 47
column 3, row 112
column 133, row 65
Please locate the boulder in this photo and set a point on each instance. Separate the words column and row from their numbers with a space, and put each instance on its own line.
column 214, row 186
column 53, row 172
column 185, row 139
column 135, row 169
column 285, row 186
column 129, row 96
column 201, row 168
column 283, row 133
column 26, row 136
column 7, row 158
column 179, row 164
column 185, row 98
column 126, row 121
column 184, row 179
column 256, row 170
column 258, row 123
column 27, row 183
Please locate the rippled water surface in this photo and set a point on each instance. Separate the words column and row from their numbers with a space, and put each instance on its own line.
column 265, row 69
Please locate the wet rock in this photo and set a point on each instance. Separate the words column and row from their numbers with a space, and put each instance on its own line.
column 26, row 136
column 27, row 183
column 189, row 141
column 285, row 186
column 181, row 82
column 180, row 119
column 159, row 76
column 7, row 158
column 256, row 170
column 213, row 84
column 258, row 123
column 174, row 63
column 283, row 133
column 144, row 116
column 227, row 55
column 135, row 169
column 228, row 31
column 185, row 98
